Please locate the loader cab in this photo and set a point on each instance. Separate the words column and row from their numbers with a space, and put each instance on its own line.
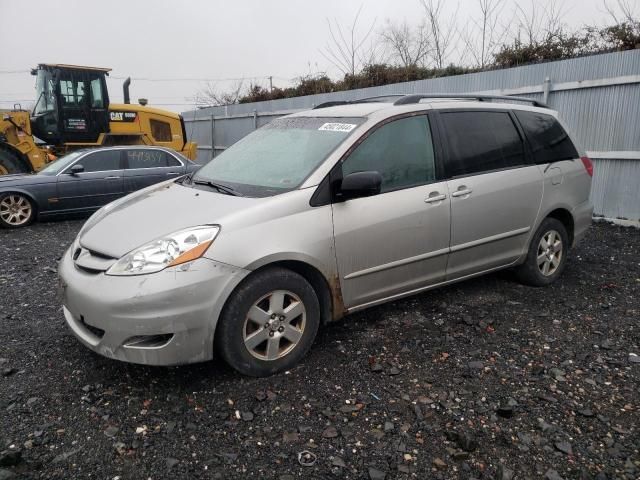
column 72, row 104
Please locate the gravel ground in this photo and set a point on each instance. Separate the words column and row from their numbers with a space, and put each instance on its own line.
column 484, row 379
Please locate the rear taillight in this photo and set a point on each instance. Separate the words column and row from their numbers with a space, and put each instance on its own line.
column 588, row 165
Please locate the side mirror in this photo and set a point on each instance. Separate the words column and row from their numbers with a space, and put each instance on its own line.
column 360, row 184
column 76, row 169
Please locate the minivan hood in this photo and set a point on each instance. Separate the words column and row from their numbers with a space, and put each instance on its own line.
column 154, row 212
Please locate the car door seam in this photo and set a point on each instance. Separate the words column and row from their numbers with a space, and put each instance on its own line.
column 493, row 238
column 397, row 263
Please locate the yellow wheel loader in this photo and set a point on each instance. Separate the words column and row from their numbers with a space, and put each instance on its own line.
column 72, row 111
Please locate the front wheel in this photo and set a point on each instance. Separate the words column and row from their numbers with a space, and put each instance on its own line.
column 16, row 210
column 547, row 254
column 269, row 323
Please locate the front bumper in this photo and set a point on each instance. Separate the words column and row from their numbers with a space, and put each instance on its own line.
column 166, row 318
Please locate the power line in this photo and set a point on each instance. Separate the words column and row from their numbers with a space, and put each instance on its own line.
column 186, row 79
column 178, row 79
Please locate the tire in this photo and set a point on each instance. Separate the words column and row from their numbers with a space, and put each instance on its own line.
column 10, row 163
column 252, row 336
column 545, row 262
column 16, row 210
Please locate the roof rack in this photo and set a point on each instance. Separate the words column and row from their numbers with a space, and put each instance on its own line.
column 415, row 98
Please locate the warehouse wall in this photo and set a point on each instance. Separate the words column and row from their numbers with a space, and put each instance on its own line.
column 598, row 96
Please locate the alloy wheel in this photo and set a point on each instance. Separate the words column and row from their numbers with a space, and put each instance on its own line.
column 274, row 325
column 15, row 210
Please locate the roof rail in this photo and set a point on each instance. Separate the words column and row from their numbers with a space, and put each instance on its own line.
column 415, row 98
column 380, row 98
column 377, row 99
column 331, row 104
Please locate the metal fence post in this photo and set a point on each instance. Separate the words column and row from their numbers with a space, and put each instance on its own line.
column 546, row 87
column 213, row 136
column 255, row 119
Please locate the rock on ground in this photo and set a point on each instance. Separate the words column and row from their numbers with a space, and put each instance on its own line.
column 483, row 379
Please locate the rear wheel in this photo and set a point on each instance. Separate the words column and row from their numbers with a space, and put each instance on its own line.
column 547, row 254
column 16, row 210
column 269, row 323
column 10, row 163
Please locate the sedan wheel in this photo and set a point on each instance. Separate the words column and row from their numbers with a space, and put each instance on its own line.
column 16, row 210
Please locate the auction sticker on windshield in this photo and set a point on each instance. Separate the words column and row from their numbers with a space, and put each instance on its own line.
column 338, row 127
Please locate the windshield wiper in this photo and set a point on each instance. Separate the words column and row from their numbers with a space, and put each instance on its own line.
column 218, row 186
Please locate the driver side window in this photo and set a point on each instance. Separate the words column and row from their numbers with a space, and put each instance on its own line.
column 401, row 151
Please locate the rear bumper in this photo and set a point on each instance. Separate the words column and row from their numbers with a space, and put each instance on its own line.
column 167, row 318
column 582, row 218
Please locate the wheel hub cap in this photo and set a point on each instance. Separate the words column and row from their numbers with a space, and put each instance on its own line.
column 274, row 325
column 550, row 251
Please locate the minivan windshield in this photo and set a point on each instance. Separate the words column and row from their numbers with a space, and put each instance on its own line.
column 58, row 165
column 279, row 156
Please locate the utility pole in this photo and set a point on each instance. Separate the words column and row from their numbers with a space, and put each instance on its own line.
column 270, row 84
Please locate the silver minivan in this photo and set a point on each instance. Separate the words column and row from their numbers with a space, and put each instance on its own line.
column 320, row 214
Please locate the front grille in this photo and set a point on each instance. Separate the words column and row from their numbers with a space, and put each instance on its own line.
column 93, row 271
column 93, row 253
column 90, row 261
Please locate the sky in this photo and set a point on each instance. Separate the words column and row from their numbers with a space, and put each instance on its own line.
column 173, row 49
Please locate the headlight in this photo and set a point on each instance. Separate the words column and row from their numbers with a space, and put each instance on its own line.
column 168, row 251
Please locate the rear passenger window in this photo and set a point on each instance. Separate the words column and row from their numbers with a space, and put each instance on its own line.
column 548, row 140
column 401, row 151
column 140, row 158
column 481, row 141
column 101, row 161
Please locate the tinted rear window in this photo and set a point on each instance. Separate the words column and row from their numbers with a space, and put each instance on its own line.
column 548, row 140
column 140, row 158
column 481, row 142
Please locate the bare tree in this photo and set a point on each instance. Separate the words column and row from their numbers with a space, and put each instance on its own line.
column 210, row 96
column 407, row 46
column 347, row 49
column 622, row 11
column 483, row 36
column 541, row 21
column 442, row 32
column 529, row 21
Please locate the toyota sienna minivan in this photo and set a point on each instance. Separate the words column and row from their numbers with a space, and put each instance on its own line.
column 320, row 214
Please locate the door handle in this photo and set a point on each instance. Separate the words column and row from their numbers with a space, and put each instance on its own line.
column 171, row 174
column 461, row 192
column 112, row 178
column 434, row 197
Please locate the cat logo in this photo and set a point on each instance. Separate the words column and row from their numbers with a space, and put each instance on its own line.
column 123, row 116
